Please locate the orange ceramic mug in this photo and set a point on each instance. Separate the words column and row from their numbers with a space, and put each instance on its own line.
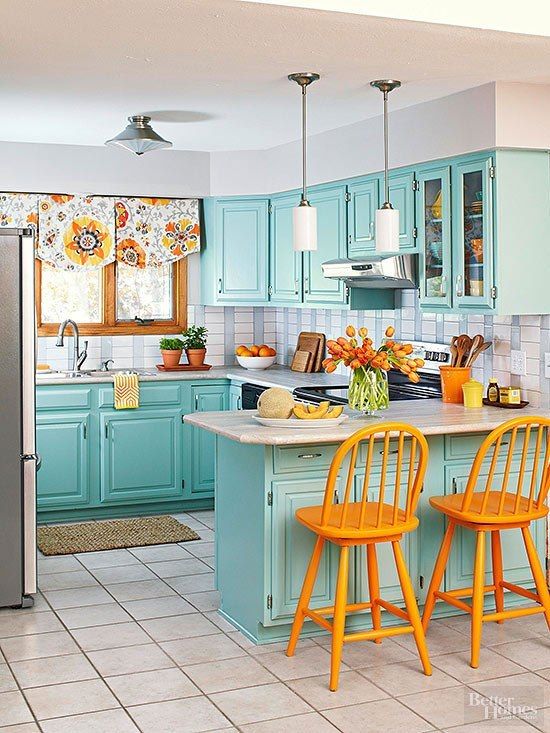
column 452, row 379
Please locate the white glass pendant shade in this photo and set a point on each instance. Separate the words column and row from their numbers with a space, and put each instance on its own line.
column 139, row 137
column 387, row 230
column 304, row 226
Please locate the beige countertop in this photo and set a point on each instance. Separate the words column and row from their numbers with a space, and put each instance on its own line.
column 433, row 417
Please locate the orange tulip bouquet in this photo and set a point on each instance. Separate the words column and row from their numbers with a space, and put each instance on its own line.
column 368, row 387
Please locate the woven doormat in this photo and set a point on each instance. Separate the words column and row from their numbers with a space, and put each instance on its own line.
column 113, row 534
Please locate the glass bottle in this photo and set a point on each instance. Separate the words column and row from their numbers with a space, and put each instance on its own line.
column 493, row 390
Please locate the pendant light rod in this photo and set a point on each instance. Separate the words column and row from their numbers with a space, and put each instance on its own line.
column 304, row 79
column 386, row 86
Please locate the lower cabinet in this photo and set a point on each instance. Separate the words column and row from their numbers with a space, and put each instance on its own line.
column 235, row 397
column 205, row 398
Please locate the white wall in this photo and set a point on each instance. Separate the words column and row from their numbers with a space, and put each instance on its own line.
column 522, row 115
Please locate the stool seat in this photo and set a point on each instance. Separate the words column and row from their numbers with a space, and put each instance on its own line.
column 451, row 505
column 354, row 529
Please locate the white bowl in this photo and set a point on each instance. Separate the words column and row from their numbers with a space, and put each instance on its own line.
column 256, row 362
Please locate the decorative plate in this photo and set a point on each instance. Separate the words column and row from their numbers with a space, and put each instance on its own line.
column 295, row 423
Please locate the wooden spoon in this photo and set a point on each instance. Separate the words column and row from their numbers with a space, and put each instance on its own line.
column 463, row 346
column 473, row 356
column 454, row 352
column 476, row 343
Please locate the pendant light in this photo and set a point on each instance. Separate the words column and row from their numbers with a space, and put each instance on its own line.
column 139, row 137
column 387, row 218
column 304, row 216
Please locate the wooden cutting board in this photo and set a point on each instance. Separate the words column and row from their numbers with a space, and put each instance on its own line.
column 301, row 361
column 315, row 344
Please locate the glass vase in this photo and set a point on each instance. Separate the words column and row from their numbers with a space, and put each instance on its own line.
column 368, row 390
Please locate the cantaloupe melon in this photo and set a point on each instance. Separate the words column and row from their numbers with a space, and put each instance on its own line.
column 276, row 403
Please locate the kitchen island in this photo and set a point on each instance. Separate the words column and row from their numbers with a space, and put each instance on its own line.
column 263, row 475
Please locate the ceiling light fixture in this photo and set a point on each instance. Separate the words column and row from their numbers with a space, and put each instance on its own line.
column 139, row 137
column 387, row 218
column 304, row 216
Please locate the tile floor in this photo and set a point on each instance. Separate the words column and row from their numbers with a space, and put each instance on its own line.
column 130, row 640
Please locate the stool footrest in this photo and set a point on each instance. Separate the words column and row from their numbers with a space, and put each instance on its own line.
column 466, row 592
column 513, row 613
column 520, row 591
column 378, row 633
column 453, row 601
column 395, row 610
column 314, row 616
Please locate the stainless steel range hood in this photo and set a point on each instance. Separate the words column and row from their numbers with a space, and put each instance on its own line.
column 397, row 271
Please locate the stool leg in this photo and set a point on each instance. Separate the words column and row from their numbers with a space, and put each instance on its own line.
column 496, row 554
column 538, row 574
column 437, row 575
column 374, row 588
column 477, row 598
column 412, row 608
column 305, row 595
column 339, row 620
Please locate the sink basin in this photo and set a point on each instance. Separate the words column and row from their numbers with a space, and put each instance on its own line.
column 86, row 373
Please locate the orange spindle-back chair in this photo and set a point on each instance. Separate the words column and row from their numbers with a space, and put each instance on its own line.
column 508, row 504
column 348, row 523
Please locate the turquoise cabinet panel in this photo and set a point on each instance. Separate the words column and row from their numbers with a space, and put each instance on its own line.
column 331, row 244
column 62, row 442
column 140, row 455
column 401, row 187
column 285, row 265
column 205, row 398
column 363, row 200
column 235, row 397
column 241, row 242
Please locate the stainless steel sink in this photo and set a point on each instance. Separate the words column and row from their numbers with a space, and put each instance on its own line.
column 86, row 373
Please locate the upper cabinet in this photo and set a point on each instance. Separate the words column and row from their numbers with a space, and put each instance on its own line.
column 402, row 185
column 285, row 265
column 363, row 200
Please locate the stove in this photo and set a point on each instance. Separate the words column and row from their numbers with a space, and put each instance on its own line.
column 400, row 387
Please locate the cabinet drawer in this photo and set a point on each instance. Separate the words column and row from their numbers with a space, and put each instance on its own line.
column 302, row 458
column 378, row 453
column 459, row 447
column 64, row 398
column 149, row 394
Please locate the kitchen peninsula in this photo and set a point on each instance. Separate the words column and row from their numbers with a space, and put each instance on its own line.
column 263, row 475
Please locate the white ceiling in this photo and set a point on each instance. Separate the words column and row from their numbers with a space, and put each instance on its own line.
column 213, row 72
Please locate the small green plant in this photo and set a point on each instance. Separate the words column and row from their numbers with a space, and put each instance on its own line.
column 167, row 344
column 195, row 337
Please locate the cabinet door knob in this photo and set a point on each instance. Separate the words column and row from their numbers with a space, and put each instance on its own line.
column 458, row 287
column 196, row 402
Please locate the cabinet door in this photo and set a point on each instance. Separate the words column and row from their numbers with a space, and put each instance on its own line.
column 285, row 265
column 242, row 250
column 331, row 245
column 516, row 568
column 402, row 199
column 292, row 545
column 362, row 204
column 205, row 398
column 433, row 217
column 62, row 443
column 473, row 234
column 140, row 456
column 235, row 397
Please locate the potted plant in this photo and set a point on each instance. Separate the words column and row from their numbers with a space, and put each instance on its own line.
column 171, row 349
column 194, row 343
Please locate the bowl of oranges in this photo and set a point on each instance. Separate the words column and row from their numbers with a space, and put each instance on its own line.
column 256, row 357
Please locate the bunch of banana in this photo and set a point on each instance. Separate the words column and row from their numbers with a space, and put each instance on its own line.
column 322, row 411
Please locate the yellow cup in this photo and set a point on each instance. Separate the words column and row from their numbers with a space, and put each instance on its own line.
column 473, row 393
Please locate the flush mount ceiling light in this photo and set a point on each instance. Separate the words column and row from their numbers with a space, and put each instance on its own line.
column 387, row 218
column 304, row 216
column 139, row 137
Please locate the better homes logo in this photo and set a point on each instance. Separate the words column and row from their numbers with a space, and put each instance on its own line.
column 507, row 704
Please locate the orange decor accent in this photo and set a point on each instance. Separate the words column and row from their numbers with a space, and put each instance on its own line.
column 495, row 509
column 345, row 523
column 452, row 379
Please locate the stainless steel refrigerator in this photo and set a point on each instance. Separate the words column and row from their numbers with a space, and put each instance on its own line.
column 18, row 458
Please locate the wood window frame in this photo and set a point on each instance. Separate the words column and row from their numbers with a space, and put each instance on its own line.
column 110, row 326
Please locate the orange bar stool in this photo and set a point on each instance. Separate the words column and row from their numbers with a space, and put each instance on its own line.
column 351, row 523
column 493, row 509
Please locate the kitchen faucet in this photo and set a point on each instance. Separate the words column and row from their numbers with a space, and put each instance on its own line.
column 79, row 357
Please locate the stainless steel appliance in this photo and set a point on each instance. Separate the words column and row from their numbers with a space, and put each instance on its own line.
column 250, row 394
column 400, row 387
column 19, row 460
column 377, row 272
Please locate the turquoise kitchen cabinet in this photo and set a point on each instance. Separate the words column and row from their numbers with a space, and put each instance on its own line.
column 402, row 185
column 62, row 440
column 235, row 397
column 205, row 398
column 363, row 200
column 285, row 264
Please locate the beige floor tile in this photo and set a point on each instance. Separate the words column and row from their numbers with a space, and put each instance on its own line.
column 106, row 721
column 73, row 698
column 525, row 689
column 202, row 649
column 306, row 662
column 542, row 722
column 205, row 516
column 190, row 521
column 123, row 574
column 490, row 665
column 544, row 673
column 513, row 725
column 191, row 715
column 76, row 597
column 258, row 650
column 21, row 728
column 219, row 621
column 148, row 687
column 441, row 639
column 53, row 670
column 14, row 709
column 206, row 535
column 353, row 689
column 158, row 553
column 106, row 559
column 210, row 561
column 158, row 607
column 444, row 708
column 307, row 723
column 513, row 629
column 140, row 589
column 178, row 627
column 175, row 568
column 59, row 564
column 35, row 646
column 7, row 681
column 253, row 704
column 132, row 659
column 531, row 653
column 389, row 716
column 361, row 654
column 29, row 623
column 110, row 637
column 192, row 583
column 202, row 549
column 62, row 581
column 407, row 677
column 105, row 613
column 228, row 674
column 207, row 601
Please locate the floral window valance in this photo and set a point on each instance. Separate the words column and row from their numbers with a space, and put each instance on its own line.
column 75, row 232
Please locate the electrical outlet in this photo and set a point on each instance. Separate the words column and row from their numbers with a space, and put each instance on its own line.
column 547, row 365
column 518, row 362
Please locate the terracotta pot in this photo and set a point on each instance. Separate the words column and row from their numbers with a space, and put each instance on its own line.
column 171, row 358
column 195, row 357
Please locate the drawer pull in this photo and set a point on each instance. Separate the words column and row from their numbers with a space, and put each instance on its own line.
column 390, row 452
column 309, row 456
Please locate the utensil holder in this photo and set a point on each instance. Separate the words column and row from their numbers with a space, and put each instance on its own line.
column 452, row 379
